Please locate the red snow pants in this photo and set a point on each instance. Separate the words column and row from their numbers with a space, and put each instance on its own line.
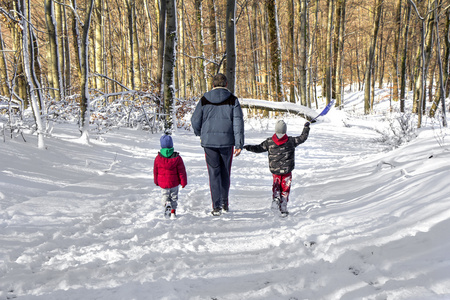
column 281, row 187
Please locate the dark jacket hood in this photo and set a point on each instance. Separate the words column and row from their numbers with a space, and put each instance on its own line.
column 217, row 95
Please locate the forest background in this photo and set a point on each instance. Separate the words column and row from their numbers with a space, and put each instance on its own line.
column 148, row 60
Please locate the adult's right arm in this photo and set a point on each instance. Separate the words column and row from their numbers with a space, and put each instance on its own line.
column 196, row 119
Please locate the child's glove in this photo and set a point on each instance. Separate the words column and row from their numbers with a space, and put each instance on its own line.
column 246, row 147
column 307, row 124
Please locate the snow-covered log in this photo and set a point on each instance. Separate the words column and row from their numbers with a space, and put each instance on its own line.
column 289, row 107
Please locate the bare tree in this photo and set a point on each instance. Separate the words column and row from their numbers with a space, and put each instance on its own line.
column 290, row 65
column 303, row 57
column 161, row 42
column 275, row 51
column 28, row 69
column 231, row 44
column 405, row 34
column 395, row 57
column 4, row 78
column 201, row 46
column 135, row 70
column 371, row 56
column 169, row 62
column 98, row 47
column 84, row 64
column 55, row 79
column 339, row 48
column 443, row 76
column 329, row 52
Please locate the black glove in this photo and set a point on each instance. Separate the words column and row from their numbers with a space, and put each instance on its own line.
column 246, row 147
column 307, row 124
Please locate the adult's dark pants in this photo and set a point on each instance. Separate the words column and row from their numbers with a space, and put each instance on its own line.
column 219, row 161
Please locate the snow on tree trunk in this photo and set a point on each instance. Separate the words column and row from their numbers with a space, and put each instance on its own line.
column 85, row 97
column 405, row 34
column 26, row 24
column 169, row 62
column 161, row 43
column 201, row 46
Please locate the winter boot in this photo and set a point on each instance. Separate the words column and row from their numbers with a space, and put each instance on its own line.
column 216, row 212
column 167, row 209
column 283, row 208
column 225, row 208
column 275, row 204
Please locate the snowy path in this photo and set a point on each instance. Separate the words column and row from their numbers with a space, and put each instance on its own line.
column 85, row 222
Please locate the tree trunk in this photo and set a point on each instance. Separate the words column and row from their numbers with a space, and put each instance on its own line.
column 213, row 37
column 76, row 36
column 135, row 52
column 405, row 33
column 255, row 49
column 395, row 57
column 66, row 53
column 182, row 59
column 27, row 63
column 4, row 78
column 340, row 14
column 371, row 56
column 303, row 59
column 97, row 25
column 169, row 62
column 231, row 44
column 149, row 53
column 424, row 56
column 60, row 38
column 161, row 43
column 85, row 97
column 329, row 52
column 201, row 46
column 290, row 66
column 54, row 65
column 443, row 67
column 275, row 51
column 313, row 71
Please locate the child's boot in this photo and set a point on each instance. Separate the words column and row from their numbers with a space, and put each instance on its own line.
column 167, row 209
column 275, row 204
column 173, row 214
column 283, row 208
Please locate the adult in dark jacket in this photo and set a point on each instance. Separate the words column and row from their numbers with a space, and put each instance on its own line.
column 281, row 148
column 219, row 122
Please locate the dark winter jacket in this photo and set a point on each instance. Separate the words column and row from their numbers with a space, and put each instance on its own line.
column 169, row 172
column 281, row 151
column 218, row 120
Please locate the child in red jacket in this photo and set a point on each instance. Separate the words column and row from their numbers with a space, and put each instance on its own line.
column 168, row 173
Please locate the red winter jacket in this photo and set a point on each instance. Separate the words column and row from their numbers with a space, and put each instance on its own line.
column 169, row 172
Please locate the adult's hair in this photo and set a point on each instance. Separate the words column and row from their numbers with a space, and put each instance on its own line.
column 219, row 80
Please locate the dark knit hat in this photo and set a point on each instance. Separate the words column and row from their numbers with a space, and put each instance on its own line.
column 166, row 141
column 280, row 128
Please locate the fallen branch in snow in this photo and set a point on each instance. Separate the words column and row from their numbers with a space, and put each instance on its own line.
column 288, row 107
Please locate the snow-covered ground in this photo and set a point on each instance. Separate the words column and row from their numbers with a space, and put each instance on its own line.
column 84, row 221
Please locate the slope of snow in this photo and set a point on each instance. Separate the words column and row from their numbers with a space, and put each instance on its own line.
column 85, row 221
